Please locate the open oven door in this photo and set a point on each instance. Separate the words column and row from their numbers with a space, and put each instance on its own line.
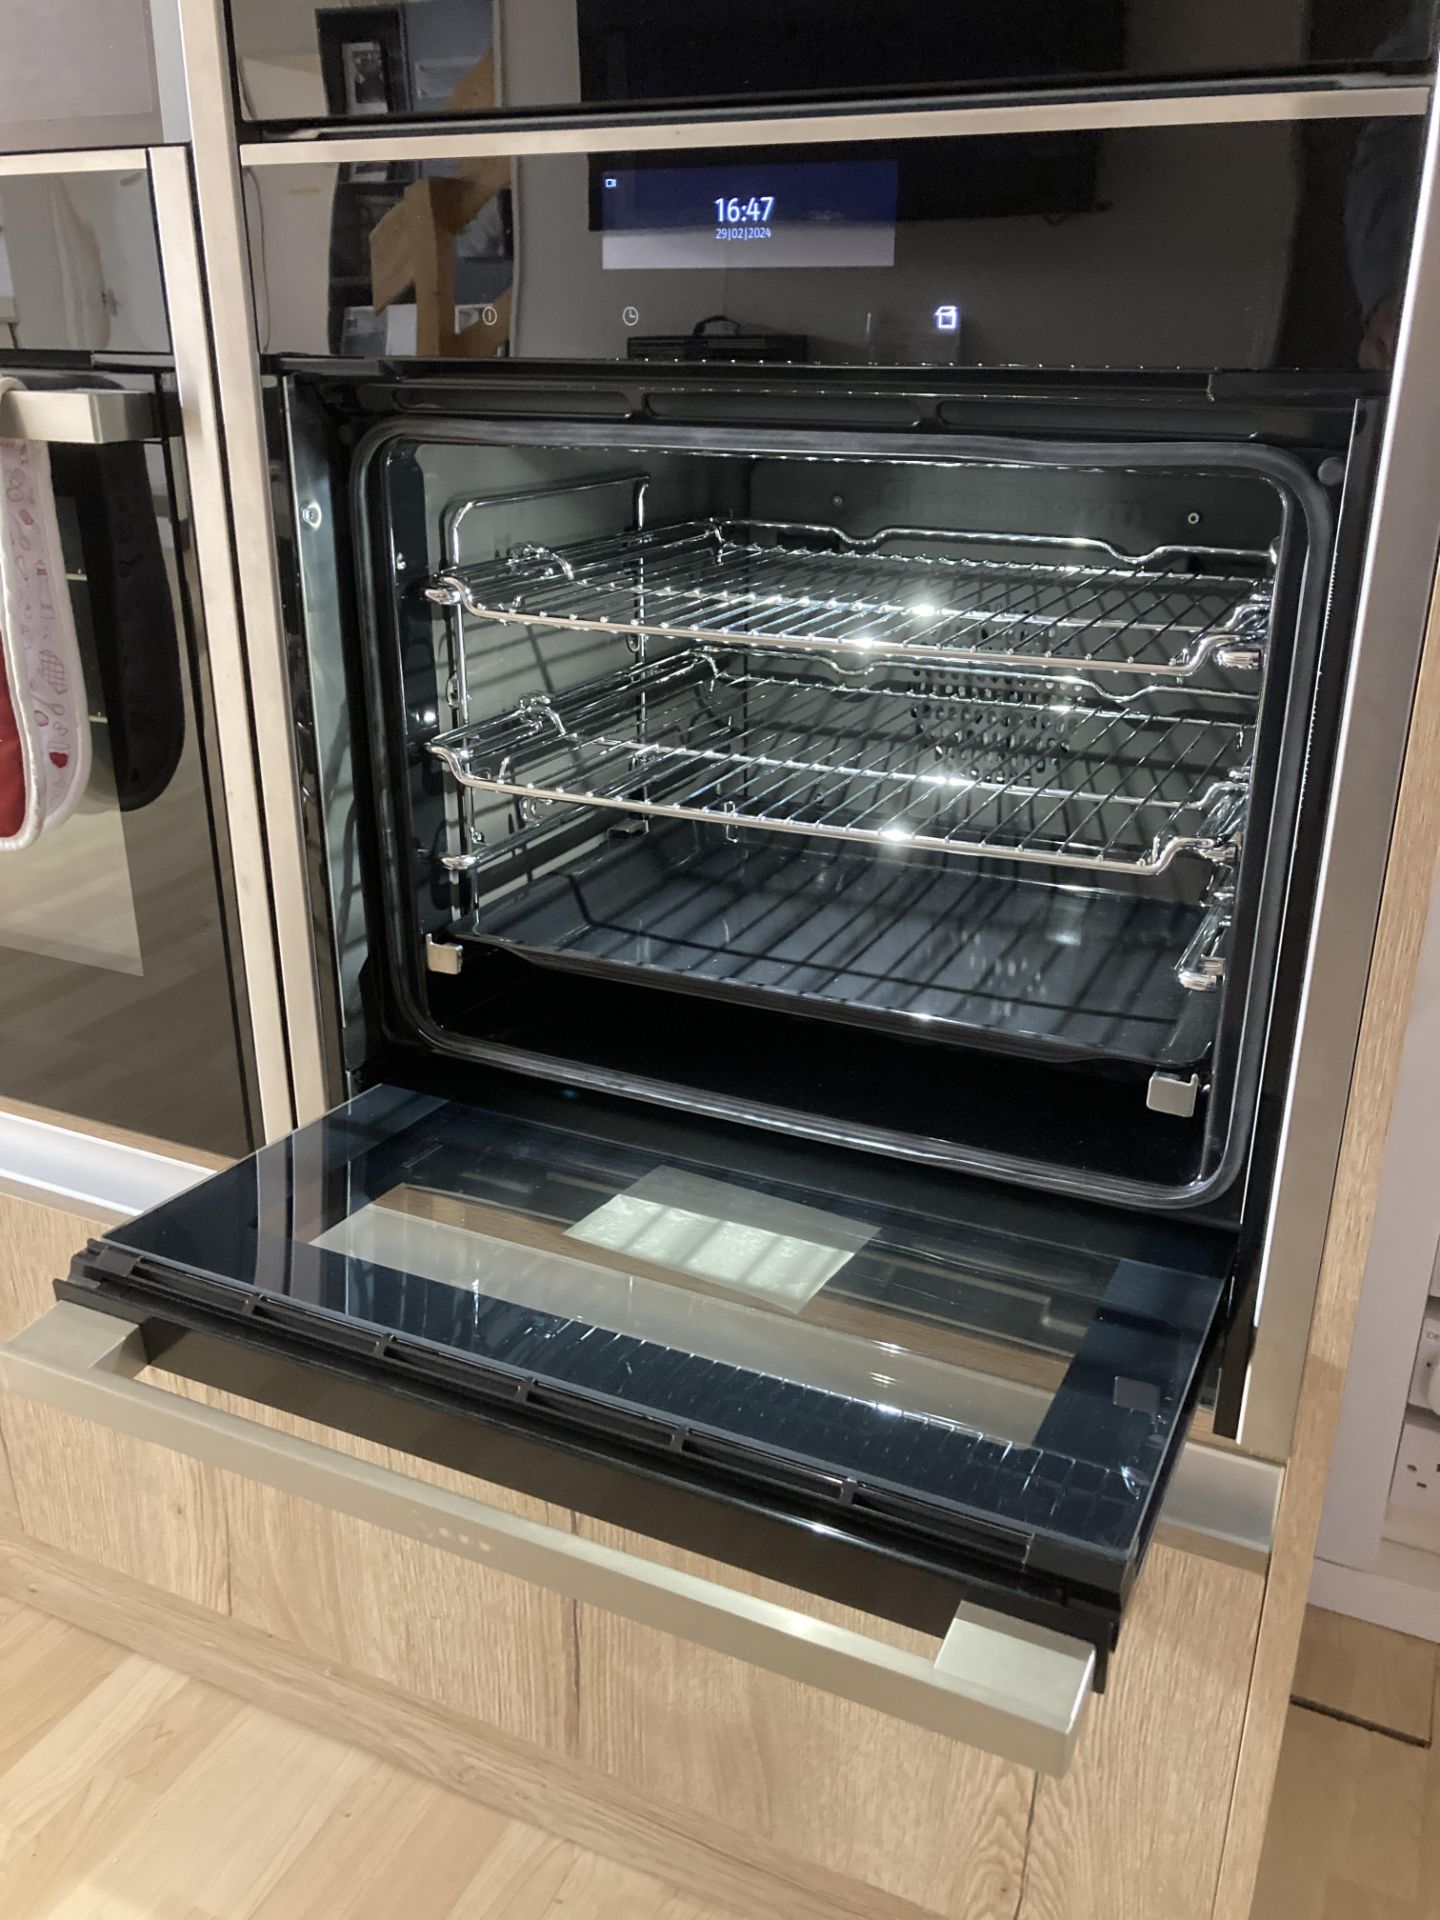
column 950, row 1405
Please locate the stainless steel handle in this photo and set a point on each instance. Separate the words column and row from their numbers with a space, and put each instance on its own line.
column 1015, row 1690
column 80, row 416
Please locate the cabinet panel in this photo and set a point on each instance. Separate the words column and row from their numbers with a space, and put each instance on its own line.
column 36, row 1247
column 834, row 1783
column 9, row 1507
column 136, row 1509
column 439, row 1626
column 1136, row 1828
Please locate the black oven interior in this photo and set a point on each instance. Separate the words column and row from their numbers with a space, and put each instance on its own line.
column 936, row 801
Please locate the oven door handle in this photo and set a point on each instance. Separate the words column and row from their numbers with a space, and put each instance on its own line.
column 78, row 416
column 1003, row 1685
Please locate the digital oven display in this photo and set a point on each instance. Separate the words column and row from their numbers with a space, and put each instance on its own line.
column 819, row 213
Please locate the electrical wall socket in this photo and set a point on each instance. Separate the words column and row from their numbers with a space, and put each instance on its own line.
column 1425, row 1380
column 1417, row 1467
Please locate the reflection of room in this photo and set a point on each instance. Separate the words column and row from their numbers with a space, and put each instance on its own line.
column 433, row 273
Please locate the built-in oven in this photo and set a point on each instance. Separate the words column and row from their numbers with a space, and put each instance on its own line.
column 121, row 998
column 824, row 682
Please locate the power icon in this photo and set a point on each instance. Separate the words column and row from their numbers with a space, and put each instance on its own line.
column 489, row 315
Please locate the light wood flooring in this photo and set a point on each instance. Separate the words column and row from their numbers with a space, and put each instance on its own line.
column 128, row 1792
column 1355, row 1824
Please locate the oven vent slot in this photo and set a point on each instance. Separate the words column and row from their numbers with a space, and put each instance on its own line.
column 933, row 595
column 1058, row 773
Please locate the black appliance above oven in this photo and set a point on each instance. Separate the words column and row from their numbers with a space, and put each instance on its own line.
column 425, row 59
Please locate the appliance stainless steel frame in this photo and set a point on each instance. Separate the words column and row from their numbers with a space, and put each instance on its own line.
column 1390, row 628
column 231, row 340
column 1128, row 107
column 185, row 416
column 171, row 185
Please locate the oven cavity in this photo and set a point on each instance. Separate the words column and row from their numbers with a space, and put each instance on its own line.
column 940, row 749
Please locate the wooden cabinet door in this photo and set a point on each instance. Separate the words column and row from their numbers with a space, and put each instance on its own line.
column 136, row 1509
column 834, row 1784
column 489, row 1646
column 1136, row 1829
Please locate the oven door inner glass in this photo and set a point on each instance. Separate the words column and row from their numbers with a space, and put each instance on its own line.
column 1002, row 1385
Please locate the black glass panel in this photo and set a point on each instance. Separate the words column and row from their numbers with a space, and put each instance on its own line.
column 432, row 57
column 1252, row 246
column 1013, row 1386
column 116, row 997
column 79, row 263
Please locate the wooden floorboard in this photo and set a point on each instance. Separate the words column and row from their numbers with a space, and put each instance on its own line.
column 1354, row 1829
column 1366, row 1673
column 130, row 1792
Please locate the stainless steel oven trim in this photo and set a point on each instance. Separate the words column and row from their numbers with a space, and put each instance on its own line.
column 225, row 267
column 204, row 461
column 79, row 416
column 1279, row 467
column 82, row 160
column 1395, row 596
column 72, row 1172
column 169, row 57
column 1366, row 97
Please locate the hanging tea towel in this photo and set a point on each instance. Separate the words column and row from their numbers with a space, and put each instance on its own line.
column 20, row 790
column 47, row 734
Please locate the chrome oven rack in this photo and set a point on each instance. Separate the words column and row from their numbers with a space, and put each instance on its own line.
column 1164, row 614
column 1050, row 772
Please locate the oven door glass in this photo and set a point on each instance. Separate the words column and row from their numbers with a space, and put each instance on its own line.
column 116, row 1001
column 994, row 1385
column 371, row 64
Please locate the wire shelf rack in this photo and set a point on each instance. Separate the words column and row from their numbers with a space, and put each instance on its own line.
column 903, row 591
column 1045, row 772
column 1061, row 971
